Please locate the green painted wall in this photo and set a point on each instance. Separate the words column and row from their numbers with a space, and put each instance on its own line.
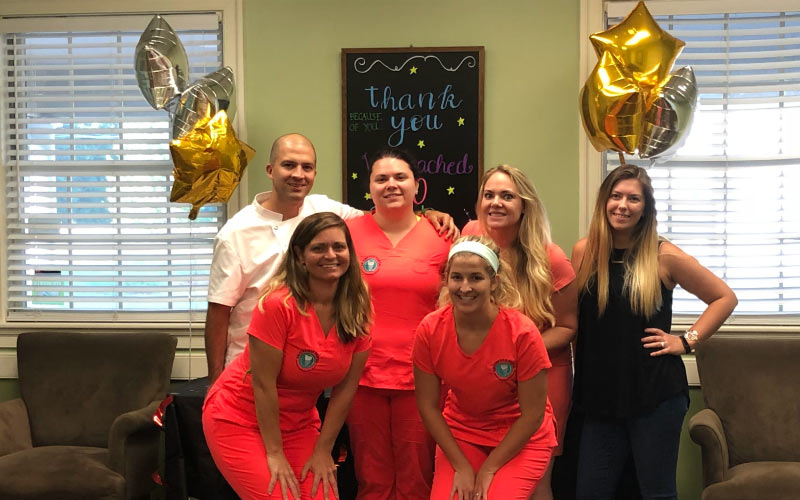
column 690, row 465
column 293, row 81
column 9, row 389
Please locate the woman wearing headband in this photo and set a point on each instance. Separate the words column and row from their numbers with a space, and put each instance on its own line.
column 511, row 213
column 630, row 382
column 497, row 431
column 401, row 257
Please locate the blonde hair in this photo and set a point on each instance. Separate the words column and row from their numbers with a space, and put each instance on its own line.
column 351, row 303
column 529, row 255
column 504, row 294
column 642, row 282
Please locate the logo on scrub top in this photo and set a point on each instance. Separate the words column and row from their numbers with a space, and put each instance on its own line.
column 306, row 360
column 503, row 369
column 370, row 265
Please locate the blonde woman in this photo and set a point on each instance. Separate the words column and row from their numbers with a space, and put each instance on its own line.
column 630, row 382
column 496, row 433
column 309, row 332
column 512, row 215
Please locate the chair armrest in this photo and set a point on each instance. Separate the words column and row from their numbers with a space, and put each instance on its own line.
column 15, row 428
column 124, row 427
column 705, row 429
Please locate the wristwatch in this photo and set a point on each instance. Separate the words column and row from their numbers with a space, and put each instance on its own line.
column 690, row 335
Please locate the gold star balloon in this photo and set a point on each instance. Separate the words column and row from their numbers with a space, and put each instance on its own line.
column 646, row 50
column 209, row 162
column 612, row 106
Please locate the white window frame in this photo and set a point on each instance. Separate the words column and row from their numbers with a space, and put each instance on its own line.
column 590, row 176
column 190, row 360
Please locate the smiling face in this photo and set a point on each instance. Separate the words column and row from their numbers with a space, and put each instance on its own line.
column 470, row 284
column 625, row 206
column 292, row 169
column 501, row 205
column 326, row 257
column 392, row 185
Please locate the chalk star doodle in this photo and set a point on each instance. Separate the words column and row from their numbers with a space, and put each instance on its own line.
column 460, row 121
column 354, row 176
column 413, row 70
column 451, row 190
column 421, row 144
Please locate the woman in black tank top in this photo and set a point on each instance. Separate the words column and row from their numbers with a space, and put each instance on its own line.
column 630, row 382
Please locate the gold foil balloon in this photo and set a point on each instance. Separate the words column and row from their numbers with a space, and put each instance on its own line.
column 630, row 102
column 214, row 91
column 160, row 63
column 209, row 162
column 647, row 51
column 669, row 115
column 612, row 106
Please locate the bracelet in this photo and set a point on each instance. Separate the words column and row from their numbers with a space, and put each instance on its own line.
column 686, row 346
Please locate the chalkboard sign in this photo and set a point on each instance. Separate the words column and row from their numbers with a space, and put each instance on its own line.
column 428, row 101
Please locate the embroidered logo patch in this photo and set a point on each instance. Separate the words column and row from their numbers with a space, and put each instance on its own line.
column 306, row 360
column 370, row 265
column 503, row 369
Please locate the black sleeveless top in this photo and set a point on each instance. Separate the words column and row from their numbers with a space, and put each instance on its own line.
column 615, row 377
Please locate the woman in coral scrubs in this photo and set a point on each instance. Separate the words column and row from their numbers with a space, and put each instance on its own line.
column 497, row 431
column 309, row 332
column 402, row 257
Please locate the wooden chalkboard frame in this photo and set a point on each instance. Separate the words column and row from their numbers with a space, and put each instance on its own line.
column 433, row 72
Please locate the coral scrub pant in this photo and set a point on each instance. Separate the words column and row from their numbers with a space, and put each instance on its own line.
column 393, row 452
column 241, row 457
column 515, row 480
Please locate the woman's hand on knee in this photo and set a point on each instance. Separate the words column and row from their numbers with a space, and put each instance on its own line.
column 483, row 479
column 281, row 472
column 463, row 483
column 321, row 465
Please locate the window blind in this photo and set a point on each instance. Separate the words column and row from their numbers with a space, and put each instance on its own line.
column 729, row 196
column 89, row 229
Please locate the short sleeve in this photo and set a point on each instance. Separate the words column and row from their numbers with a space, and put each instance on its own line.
column 225, row 275
column 270, row 322
column 472, row 228
column 531, row 353
column 362, row 343
column 560, row 268
column 422, row 349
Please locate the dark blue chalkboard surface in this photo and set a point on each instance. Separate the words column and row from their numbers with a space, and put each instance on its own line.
column 428, row 101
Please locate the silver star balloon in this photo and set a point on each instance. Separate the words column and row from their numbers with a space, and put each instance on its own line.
column 669, row 116
column 208, row 95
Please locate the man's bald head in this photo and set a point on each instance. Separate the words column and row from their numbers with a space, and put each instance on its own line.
column 293, row 138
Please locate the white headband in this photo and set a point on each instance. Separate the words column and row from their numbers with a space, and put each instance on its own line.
column 478, row 249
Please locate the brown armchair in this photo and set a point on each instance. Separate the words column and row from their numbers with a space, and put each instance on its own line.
column 83, row 427
column 749, row 431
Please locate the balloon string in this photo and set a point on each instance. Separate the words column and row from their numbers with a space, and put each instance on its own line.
column 621, row 158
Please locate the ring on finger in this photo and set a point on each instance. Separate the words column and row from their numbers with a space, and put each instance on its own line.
column 662, row 344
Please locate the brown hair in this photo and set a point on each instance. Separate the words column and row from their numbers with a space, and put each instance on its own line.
column 642, row 282
column 352, row 305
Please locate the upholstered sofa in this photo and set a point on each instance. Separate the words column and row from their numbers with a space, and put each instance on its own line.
column 83, row 427
column 749, row 431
